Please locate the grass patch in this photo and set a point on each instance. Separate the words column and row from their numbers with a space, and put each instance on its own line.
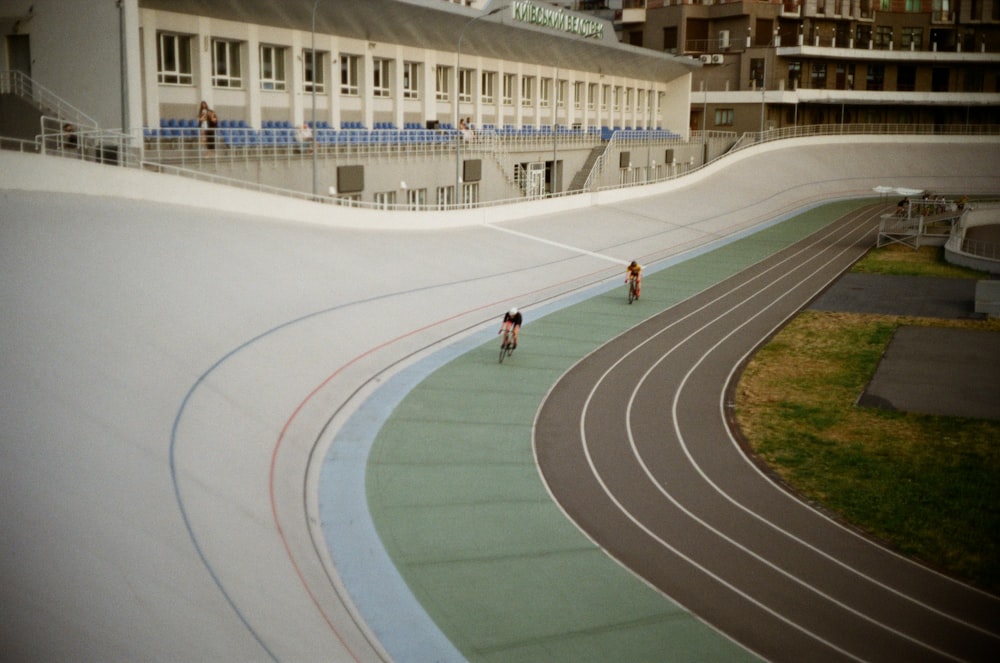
column 899, row 260
column 928, row 486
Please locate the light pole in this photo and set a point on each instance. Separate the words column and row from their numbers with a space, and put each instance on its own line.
column 763, row 83
column 555, row 116
column 458, row 99
column 312, row 57
column 704, row 115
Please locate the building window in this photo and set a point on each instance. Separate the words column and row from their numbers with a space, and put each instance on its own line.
column 578, row 95
column 411, row 80
column 912, row 6
column 444, row 196
column 442, row 83
column 670, row 40
column 942, row 10
column 883, row 36
column 906, row 78
column 313, row 71
column 911, row 36
column 863, row 35
column 349, row 74
column 724, row 117
column 561, row 93
column 884, row 5
column 875, row 78
column 465, row 85
column 272, row 68
column 509, row 83
column 616, row 100
column 605, row 97
column 817, row 76
column 794, row 75
column 416, row 199
column 628, row 99
column 940, row 79
column 173, row 59
column 226, row 64
column 527, row 90
column 545, row 98
column 757, row 72
column 974, row 80
column 385, row 199
column 381, row 77
column 488, row 87
column 470, row 193
column 592, row 96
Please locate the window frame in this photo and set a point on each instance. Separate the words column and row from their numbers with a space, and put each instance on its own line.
column 180, row 72
column 817, row 75
column 381, row 77
column 411, row 80
column 527, row 91
column 442, row 83
column 465, row 83
column 310, row 69
column 349, row 85
column 272, row 74
column 509, row 85
column 724, row 117
column 487, row 87
column 227, row 72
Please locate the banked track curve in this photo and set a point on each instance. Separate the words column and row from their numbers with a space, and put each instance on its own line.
column 634, row 443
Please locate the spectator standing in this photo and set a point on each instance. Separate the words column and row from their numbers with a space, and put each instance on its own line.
column 208, row 122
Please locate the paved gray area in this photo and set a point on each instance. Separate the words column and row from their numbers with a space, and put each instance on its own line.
column 934, row 370
column 881, row 294
column 945, row 371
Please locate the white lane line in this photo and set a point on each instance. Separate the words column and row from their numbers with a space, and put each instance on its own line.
column 729, row 498
column 542, row 240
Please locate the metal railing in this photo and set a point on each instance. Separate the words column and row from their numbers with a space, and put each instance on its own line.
column 23, row 86
column 139, row 150
column 188, row 144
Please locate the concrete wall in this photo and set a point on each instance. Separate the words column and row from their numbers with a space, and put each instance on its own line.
column 77, row 51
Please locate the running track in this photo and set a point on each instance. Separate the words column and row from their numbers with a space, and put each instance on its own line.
column 635, row 444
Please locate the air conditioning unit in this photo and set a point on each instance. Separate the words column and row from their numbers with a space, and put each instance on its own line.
column 717, row 58
column 706, row 59
column 723, row 38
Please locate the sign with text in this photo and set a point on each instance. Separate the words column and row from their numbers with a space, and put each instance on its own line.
column 557, row 19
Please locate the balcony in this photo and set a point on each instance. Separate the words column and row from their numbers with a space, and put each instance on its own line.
column 633, row 11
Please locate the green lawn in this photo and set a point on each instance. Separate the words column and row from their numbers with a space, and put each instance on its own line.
column 929, row 486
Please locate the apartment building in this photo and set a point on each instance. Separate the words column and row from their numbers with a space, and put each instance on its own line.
column 779, row 63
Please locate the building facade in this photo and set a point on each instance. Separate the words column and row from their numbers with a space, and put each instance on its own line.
column 776, row 64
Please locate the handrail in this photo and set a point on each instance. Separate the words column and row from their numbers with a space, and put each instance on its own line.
column 23, row 86
column 127, row 150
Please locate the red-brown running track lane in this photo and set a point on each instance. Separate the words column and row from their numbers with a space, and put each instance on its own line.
column 635, row 445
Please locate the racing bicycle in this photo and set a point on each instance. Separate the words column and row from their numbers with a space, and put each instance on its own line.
column 633, row 289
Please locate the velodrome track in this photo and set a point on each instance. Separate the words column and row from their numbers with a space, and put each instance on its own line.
column 177, row 357
column 635, row 444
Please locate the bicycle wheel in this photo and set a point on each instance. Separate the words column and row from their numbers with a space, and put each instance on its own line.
column 503, row 349
column 631, row 292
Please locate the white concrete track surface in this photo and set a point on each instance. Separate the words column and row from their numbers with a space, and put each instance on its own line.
column 171, row 352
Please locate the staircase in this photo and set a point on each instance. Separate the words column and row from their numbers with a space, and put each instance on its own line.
column 580, row 179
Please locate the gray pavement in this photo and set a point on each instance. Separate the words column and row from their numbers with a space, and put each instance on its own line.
column 943, row 371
